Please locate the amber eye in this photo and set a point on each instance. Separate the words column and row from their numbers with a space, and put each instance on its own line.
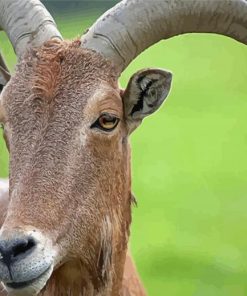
column 106, row 122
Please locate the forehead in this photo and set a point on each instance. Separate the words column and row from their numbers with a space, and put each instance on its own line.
column 64, row 73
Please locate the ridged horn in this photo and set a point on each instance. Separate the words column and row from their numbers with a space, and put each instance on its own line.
column 131, row 26
column 27, row 23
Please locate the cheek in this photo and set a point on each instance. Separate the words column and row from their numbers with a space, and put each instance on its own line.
column 85, row 231
column 106, row 146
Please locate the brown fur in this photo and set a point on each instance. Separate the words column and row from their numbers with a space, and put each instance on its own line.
column 68, row 181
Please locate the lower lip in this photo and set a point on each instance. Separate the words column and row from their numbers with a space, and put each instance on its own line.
column 22, row 285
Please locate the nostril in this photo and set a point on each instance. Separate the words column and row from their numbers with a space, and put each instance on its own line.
column 23, row 247
column 17, row 249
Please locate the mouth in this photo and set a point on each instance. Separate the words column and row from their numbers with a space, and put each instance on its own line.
column 39, row 281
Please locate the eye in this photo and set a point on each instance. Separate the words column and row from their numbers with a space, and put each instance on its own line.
column 106, row 122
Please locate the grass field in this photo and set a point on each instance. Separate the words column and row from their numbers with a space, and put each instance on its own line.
column 189, row 233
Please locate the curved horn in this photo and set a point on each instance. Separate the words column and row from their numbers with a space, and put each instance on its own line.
column 131, row 26
column 27, row 23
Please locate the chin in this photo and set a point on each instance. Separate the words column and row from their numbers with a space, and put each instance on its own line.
column 29, row 288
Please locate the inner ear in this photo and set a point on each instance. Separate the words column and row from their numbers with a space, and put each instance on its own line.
column 4, row 74
column 146, row 91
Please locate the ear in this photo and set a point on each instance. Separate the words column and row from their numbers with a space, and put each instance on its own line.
column 4, row 74
column 146, row 91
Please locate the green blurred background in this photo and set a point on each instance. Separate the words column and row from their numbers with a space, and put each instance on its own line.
column 189, row 162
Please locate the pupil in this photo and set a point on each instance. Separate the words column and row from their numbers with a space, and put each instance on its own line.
column 108, row 120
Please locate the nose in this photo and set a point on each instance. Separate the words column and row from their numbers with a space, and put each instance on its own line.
column 14, row 250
